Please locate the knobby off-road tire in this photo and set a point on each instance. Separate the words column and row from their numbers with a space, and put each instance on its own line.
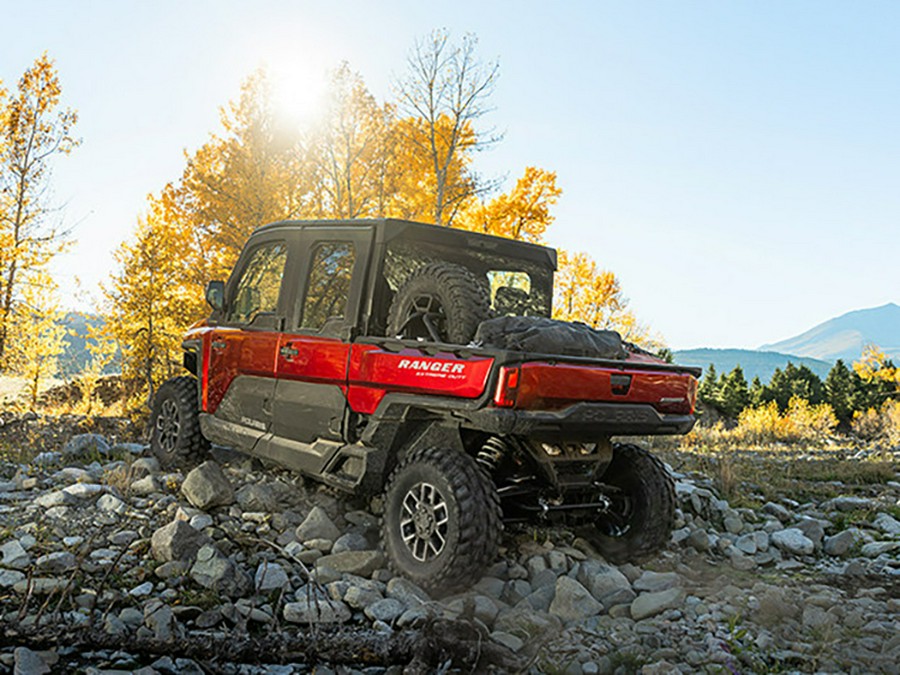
column 175, row 437
column 642, row 516
column 442, row 520
column 440, row 302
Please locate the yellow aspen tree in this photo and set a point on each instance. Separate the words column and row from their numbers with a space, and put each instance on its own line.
column 583, row 292
column 874, row 366
column 445, row 91
column 524, row 213
column 348, row 151
column 152, row 301
column 246, row 176
column 33, row 129
column 36, row 334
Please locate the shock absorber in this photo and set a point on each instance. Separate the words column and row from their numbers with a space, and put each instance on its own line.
column 491, row 453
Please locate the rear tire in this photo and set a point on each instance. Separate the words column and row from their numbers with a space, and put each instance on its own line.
column 642, row 517
column 441, row 525
column 175, row 437
column 440, row 302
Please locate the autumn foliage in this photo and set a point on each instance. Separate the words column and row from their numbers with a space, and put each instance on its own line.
column 411, row 159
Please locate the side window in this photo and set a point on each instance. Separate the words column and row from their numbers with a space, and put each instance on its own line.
column 328, row 285
column 257, row 290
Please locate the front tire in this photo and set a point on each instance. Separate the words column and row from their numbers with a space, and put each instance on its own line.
column 641, row 517
column 175, row 437
column 441, row 525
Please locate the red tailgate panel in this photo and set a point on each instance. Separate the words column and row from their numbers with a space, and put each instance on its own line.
column 374, row 372
column 545, row 386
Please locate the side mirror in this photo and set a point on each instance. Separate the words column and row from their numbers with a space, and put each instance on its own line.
column 215, row 294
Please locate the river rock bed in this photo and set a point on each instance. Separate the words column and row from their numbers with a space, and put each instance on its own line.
column 110, row 564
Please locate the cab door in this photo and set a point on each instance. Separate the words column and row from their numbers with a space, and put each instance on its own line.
column 244, row 346
column 313, row 353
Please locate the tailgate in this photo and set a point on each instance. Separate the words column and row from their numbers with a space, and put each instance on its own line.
column 554, row 385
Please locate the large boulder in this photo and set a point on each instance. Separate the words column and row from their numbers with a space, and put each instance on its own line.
column 215, row 571
column 573, row 602
column 176, row 541
column 317, row 525
column 207, row 487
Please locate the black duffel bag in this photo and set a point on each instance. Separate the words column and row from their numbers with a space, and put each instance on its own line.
column 547, row 336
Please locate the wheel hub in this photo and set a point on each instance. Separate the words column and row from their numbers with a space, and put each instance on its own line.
column 168, row 425
column 424, row 521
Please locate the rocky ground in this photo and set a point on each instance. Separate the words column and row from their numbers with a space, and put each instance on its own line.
column 110, row 564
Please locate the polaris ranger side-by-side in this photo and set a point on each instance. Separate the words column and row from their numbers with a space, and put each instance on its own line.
column 385, row 356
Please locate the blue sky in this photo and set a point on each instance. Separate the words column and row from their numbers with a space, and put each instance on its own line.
column 736, row 164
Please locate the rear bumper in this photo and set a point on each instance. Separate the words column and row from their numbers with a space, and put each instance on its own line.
column 581, row 422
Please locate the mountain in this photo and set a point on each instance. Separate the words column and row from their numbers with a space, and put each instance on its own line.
column 753, row 363
column 845, row 336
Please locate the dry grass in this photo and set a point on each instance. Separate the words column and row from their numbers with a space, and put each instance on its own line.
column 748, row 474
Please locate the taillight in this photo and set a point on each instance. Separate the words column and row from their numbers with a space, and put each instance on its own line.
column 507, row 387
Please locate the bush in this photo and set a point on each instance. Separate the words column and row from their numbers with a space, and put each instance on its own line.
column 879, row 424
column 801, row 421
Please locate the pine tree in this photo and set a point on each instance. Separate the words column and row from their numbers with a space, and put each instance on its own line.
column 709, row 387
column 733, row 393
column 757, row 392
column 840, row 390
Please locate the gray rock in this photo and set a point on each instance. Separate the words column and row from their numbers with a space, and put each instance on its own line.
column 9, row 578
column 359, row 563
column 158, row 617
column 746, row 544
column 112, row 504
column 407, row 592
column 123, row 537
column 142, row 590
column 270, row 577
column 317, row 525
column 543, row 578
column 176, row 541
column 83, row 490
column 733, row 524
column 793, row 541
column 887, row 524
column 55, row 498
column 699, row 539
column 14, row 555
column 651, row 604
column 56, row 563
column 493, row 586
column 841, row 543
column 813, row 530
column 207, row 486
column 741, row 561
column 657, row 581
column 385, row 610
column 27, row 662
column 777, row 510
column 540, row 599
column 201, row 521
column 213, row 570
column 83, row 444
column 360, row 598
column 312, row 610
column 508, row 640
column 352, row 541
column 573, row 602
column 877, row 548
column 849, row 504
column 144, row 466
column 257, row 497
column 606, row 583
column 41, row 585
column 145, row 486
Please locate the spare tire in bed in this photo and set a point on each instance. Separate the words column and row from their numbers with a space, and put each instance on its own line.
column 547, row 336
